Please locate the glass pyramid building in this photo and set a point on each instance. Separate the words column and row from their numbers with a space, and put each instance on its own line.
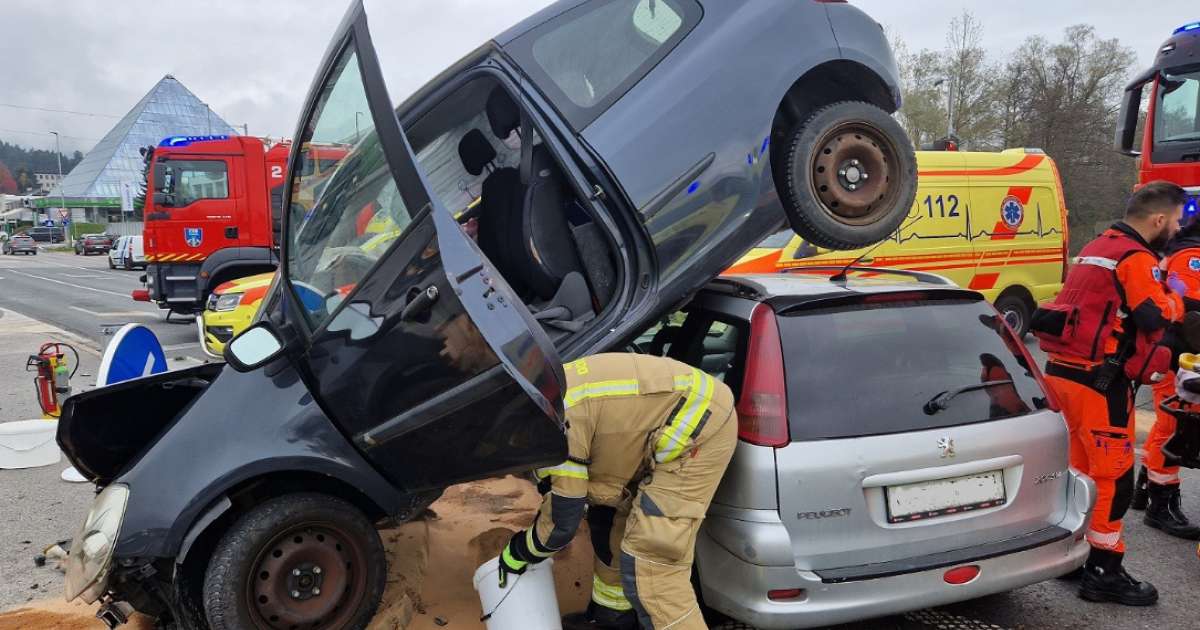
column 168, row 109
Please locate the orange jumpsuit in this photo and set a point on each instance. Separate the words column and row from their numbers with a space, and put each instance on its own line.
column 1101, row 422
column 1183, row 270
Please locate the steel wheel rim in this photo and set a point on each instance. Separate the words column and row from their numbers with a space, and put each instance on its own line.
column 846, row 154
column 311, row 575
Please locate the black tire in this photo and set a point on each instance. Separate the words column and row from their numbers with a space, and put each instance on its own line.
column 1016, row 313
column 110, row 264
column 824, row 206
column 311, row 533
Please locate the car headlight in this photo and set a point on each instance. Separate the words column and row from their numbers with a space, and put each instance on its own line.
column 92, row 548
column 227, row 302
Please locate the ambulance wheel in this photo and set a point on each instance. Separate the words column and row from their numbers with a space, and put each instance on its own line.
column 1016, row 313
column 849, row 174
column 296, row 561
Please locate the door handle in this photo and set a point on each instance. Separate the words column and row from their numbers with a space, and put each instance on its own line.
column 419, row 304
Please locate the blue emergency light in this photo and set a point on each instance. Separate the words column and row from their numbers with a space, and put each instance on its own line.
column 183, row 141
column 1191, row 208
column 1194, row 26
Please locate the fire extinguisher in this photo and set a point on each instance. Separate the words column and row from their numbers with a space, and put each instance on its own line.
column 54, row 371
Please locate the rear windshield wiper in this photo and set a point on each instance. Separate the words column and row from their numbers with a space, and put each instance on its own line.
column 942, row 400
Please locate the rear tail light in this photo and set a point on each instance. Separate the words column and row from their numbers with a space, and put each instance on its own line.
column 762, row 408
column 140, row 295
column 786, row 594
column 961, row 575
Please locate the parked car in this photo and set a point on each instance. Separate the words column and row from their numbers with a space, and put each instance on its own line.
column 615, row 181
column 116, row 254
column 898, row 449
column 93, row 244
column 22, row 243
column 231, row 308
column 45, row 234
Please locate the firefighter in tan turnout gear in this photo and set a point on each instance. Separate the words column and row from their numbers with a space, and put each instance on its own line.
column 649, row 439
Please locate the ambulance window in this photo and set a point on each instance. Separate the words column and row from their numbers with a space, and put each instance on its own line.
column 591, row 55
column 198, row 179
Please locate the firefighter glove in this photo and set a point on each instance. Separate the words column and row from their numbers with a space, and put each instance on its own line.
column 510, row 564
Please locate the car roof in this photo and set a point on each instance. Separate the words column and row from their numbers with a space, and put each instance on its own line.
column 812, row 284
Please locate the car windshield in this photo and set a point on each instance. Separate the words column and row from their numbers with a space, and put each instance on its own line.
column 1178, row 115
column 346, row 211
column 872, row 368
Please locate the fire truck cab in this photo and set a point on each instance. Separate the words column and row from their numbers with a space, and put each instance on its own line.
column 1171, row 142
column 214, row 215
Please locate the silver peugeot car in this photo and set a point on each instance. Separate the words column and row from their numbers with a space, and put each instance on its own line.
column 898, row 449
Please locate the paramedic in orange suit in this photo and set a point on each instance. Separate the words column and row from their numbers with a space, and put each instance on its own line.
column 1104, row 335
column 1157, row 489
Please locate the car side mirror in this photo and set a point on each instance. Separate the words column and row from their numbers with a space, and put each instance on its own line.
column 255, row 347
column 1131, row 104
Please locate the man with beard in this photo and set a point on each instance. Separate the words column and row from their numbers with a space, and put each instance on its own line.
column 1104, row 335
column 1157, row 489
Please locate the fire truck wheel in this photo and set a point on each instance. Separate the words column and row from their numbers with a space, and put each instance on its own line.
column 849, row 176
column 296, row 561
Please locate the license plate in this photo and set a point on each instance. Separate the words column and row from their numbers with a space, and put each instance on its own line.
column 942, row 497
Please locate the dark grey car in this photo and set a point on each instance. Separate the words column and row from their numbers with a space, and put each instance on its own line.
column 548, row 196
column 20, row 244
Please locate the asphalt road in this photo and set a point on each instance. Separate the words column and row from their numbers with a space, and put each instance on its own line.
column 81, row 295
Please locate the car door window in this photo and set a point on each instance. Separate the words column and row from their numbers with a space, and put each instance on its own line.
column 345, row 209
column 198, row 179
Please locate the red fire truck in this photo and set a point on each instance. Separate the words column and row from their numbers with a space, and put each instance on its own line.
column 214, row 215
column 1171, row 143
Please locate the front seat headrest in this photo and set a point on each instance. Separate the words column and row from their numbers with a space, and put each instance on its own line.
column 502, row 112
column 475, row 151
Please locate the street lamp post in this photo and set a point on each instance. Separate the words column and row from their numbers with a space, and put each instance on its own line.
column 949, row 104
column 62, row 196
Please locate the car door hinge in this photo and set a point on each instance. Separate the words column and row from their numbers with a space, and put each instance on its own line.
column 598, row 193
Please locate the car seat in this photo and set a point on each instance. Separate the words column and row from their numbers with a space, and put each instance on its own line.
column 556, row 293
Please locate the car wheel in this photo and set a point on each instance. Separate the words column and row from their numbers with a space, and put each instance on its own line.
column 850, row 176
column 299, row 560
column 110, row 264
column 1015, row 312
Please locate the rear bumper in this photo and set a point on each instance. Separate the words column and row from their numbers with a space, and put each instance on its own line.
column 736, row 582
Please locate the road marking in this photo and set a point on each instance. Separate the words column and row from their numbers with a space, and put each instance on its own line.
column 113, row 313
column 68, row 284
column 84, row 276
column 181, row 346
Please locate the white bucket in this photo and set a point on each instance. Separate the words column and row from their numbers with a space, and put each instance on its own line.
column 28, row 444
column 529, row 602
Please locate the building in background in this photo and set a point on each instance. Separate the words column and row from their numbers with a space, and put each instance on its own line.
column 93, row 188
column 46, row 181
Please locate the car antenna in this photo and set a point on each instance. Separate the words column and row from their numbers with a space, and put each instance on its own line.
column 841, row 275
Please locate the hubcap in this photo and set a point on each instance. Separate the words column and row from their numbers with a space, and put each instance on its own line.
column 1013, row 319
column 309, row 576
column 853, row 172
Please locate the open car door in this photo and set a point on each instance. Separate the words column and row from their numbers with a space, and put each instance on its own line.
column 413, row 345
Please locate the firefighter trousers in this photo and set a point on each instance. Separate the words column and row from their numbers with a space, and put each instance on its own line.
column 1101, row 446
column 644, row 548
column 1164, row 428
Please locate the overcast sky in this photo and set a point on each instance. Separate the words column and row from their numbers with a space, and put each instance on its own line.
column 252, row 62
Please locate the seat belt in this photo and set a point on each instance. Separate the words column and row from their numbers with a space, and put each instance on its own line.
column 526, row 146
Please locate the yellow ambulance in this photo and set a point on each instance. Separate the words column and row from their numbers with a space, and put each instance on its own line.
column 992, row 222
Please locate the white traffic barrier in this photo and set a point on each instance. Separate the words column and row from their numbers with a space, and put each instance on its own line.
column 528, row 603
column 28, row 444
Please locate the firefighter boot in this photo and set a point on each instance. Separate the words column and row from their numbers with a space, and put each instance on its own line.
column 1141, row 496
column 1165, row 514
column 1105, row 580
column 598, row 617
